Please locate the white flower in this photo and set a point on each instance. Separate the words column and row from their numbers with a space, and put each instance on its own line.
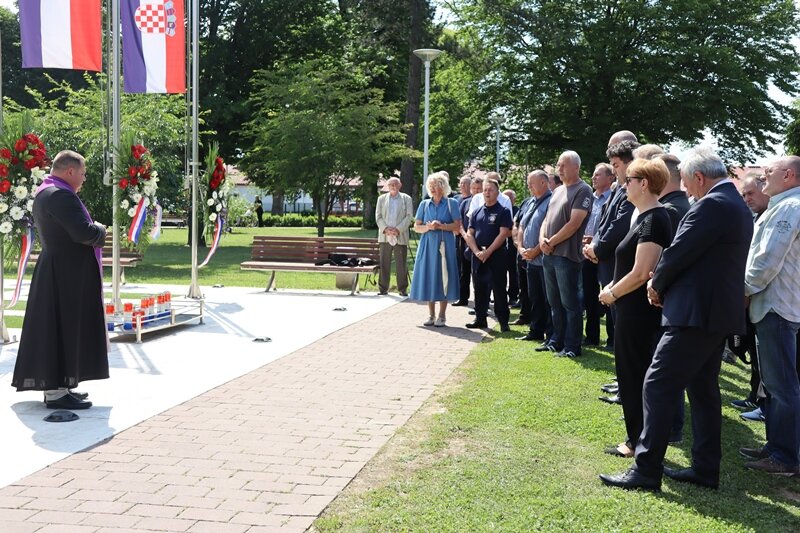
column 37, row 174
column 219, row 208
column 124, row 204
column 6, row 227
column 212, row 217
column 132, row 212
column 20, row 191
column 3, row 207
column 16, row 213
column 146, row 201
column 213, row 195
column 29, row 206
column 210, row 201
column 22, row 180
column 136, row 197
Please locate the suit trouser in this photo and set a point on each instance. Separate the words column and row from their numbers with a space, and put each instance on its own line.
column 591, row 290
column 539, row 313
column 524, row 293
column 400, row 252
column 513, row 276
column 686, row 357
column 491, row 278
column 636, row 339
column 464, row 271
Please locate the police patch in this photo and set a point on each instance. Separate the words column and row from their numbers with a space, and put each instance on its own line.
column 492, row 218
column 783, row 226
column 586, row 202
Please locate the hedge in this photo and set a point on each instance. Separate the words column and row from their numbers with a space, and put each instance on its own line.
column 309, row 221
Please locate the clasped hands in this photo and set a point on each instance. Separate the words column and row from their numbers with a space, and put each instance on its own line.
column 434, row 225
column 545, row 246
column 588, row 253
column 652, row 296
column 392, row 231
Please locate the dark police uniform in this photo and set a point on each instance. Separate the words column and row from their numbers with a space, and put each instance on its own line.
column 491, row 275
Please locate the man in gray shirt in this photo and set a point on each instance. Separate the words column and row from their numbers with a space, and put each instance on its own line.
column 561, row 241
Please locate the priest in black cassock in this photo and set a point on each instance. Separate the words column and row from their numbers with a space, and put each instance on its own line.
column 64, row 340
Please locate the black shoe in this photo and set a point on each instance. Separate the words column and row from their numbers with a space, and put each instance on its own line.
column 477, row 324
column 403, row 294
column 471, row 312
column 568, row 353
column 68, row 402
column 530, row 337
column 611, row 399
column 611, row 388
column 460, row 303
column 383, row 293
column 631, row 480
column 504, row 328
column 688, row 475
column 75, row 394
column 522, row 321
column 546, row 347
column 754, row 453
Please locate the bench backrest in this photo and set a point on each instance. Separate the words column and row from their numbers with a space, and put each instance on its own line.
column 311, row 249
column 108, row 249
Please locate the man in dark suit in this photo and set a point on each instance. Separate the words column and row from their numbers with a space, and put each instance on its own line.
column 697, row 282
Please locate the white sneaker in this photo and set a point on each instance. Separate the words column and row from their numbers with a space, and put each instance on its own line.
column 429, row 322
column 439, row 323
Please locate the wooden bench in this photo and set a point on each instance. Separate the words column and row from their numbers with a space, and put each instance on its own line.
column 299, row 254
column 127, row 258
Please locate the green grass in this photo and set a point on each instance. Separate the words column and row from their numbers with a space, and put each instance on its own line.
column 515, row 444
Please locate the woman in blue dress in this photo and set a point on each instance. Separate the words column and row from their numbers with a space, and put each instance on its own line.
column 436, row 267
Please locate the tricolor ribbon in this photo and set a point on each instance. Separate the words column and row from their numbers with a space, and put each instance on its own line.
column 137, row 223
column 24, row 254
column 218, row 225
column 155, row 233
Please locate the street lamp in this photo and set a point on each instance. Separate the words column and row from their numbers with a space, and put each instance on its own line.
column 497, row 120
column 427, row 55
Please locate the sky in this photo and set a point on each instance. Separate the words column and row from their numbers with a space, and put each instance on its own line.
column 678, row 150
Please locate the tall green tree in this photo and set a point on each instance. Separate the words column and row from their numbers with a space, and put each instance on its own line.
column 316, row 126
column 570, row 73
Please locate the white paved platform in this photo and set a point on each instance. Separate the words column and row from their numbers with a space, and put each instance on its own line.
column 172, row 367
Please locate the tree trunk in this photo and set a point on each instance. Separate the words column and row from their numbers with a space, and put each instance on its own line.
column 322, row 209
column 417, row 9
column 368, row 213
column 277, row 202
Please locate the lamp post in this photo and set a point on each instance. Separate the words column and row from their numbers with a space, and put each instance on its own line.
column 427, row 55
column 497, row 120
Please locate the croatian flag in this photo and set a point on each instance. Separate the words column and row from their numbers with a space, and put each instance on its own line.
column 154, row 46
column 61, row 34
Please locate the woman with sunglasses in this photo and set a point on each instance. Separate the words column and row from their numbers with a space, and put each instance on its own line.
column 638, row 324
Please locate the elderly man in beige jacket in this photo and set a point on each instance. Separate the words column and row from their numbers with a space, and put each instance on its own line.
column 393, row 214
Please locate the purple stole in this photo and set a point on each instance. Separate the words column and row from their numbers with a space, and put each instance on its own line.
column 53, row 181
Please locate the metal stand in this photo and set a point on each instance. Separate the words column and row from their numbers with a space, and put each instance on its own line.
column 6, row 338
column 115, row 140
column 194, row 287
column 182, row 313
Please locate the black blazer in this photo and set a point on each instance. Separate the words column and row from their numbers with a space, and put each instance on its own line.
column 700, row 276
column 615, row 223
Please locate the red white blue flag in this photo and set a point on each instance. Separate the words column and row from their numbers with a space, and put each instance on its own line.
column 154, row 46
column 61, row 34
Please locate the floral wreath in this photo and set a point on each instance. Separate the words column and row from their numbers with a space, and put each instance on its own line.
column 137, row 197
column 23, row 159
column 216, row 188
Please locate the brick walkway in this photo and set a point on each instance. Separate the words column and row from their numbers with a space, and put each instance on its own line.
column 266, row 451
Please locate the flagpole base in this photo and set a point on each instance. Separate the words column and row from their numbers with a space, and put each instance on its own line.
column 194, row 292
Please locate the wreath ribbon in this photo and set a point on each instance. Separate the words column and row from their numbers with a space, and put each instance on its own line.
column 218, row 225
column 26, row 246
column 137, row 223
column 155, row 233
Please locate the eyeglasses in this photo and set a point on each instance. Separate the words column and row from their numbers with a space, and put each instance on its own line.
column 629, row 178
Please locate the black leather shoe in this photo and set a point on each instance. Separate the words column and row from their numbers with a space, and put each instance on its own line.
column 459, row 304
column 611, row 399
column 504, row 328
column 530, row 337
column 68, row 402
column 521, row 321
column 74, row 393
column 611, row 388
column 631, row 480
column 477, row 324
column 688, row 475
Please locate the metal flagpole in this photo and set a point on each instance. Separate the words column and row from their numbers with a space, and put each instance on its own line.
column 194, row 288
column 115, row 140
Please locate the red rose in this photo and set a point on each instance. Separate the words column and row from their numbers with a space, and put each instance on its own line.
column 3, row 171
column 131, row 171
column 5, row 153
column 20, row 145
column 134, row 181
column 123, row 183
column 145, row 176
column 5, row 185
column 31, row 163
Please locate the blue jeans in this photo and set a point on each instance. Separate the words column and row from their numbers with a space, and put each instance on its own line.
column 562, row 280
column 777, row 359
